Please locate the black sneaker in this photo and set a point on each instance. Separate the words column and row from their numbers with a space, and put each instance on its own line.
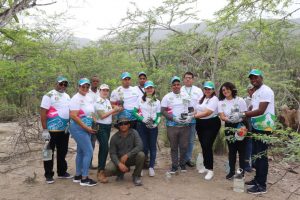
column 137, row 181
column 257, row 189
column 250, row 183
column 49, row 180
column 88, row 182
column 77, row 179
column 182, row 168
column 66, row 176
column 173, row 170
column 120, row 177
column 230, row 176
column 190, row 163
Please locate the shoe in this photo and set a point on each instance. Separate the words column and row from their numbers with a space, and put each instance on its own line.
column 142, row 173
column 257, row 189
column 183, row 168
column 202, row 170
column 250, row 183
column 77, row 179
column 151, row 172
column 101, row 177
column 120, row 177
column 190, row 163
column 230, row 176
column 209, row 175
column 66, row 176
column 137, row 180
column 248, row 169
column 88, row 182
column 49, row 180
column 173, row 170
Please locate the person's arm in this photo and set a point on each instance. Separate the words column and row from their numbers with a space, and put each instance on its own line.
column 157, row 118
column 165, row 113
column 260, row 111
column 113, row 151
column 43, row 113
column 138, row 145
column 74, row 117
column 136, row 115
column 223, row 117
column 204, row 113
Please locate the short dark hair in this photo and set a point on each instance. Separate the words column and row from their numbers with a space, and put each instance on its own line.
column 188, row 73
column 231, row 87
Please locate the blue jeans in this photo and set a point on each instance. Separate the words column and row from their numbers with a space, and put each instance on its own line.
column 149, row 138
column 192, row 132
column 84, row 149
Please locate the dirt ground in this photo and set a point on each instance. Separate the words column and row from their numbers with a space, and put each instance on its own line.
column 22, row 178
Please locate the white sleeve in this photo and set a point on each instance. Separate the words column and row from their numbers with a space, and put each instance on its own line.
column 220, row 107
column 114, row 96
column 74, row 104
column 242, row 105
column 213, row 104
column 46, row 102
column 266, row 96
column 164, row 101
column 158, row 106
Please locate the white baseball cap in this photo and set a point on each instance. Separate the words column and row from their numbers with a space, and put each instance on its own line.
column 104, row 86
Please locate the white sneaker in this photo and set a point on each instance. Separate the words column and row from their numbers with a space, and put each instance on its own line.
column 151, row 172
column 202, row 170
column 209, row 175
column 142, row 173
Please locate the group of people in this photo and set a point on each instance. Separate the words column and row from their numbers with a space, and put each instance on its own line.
column 187, row 109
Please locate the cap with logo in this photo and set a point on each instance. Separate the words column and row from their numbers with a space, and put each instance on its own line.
column 60, row 79
column 125, row 75
column 255, row 72
column 209, row 84
column 83, row 81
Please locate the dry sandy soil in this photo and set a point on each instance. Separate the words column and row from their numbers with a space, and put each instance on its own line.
column 17, row 180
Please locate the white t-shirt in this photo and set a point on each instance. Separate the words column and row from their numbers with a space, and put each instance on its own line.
column 104, row 106
column 148, row 108
column 128, row 95
column 263, row 94
column 57, row 104
column 194, row 93
column 85, row 106
column 210, row 104
column 93, row 95
column 139, row 91
column 175, row 104
column 230, row 106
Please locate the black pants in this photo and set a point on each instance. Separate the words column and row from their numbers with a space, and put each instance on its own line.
column 234, row 147
column 60, row 141
column 260, row 158
column 207, row 130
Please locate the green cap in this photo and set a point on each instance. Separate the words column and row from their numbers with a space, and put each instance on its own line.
column 83, row 81
column 209, row 84
column 255, row 72
column 175, row 78
column 125, row 75
column 148, row 84
column 60, row 79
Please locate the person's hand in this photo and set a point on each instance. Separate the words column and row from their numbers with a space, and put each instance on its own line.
column 124, row 158
column 122, row 167
column 178, row 120
column 146, row 120
column 188, row 119
column 46, row 134
column 235, row 117
column 90, row 130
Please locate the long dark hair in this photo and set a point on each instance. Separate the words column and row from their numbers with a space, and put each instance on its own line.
column 145, row 95
column 230, row 86
column 202, row 99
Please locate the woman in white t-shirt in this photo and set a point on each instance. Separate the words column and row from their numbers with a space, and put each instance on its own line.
column 229, row 104
column 81, row 114
column 104, row 112
column 207, row 125
column 148, row 114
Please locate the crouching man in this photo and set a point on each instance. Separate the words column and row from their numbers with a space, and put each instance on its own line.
column 126, row 149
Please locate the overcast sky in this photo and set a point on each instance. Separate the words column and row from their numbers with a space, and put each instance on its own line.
column 87, row 16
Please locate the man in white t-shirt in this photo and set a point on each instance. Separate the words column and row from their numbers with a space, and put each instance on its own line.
column 55, row 119
column 94, row 95
column 175, row 107
column 125, row 96
column 262, row 122
column 142, row 80
column 195, row 94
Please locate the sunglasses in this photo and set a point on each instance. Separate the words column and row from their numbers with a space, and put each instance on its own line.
column 124, row 123
column 63, row 84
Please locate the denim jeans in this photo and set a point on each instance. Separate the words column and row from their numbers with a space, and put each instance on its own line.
column 192, row 132
column 149, row 138
column 84, row 149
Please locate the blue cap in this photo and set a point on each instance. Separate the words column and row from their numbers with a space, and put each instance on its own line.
column 142, row 73
column 83, row 81
column 255, row 72
column 209, row 84
column 148, row 84
column 175, row 78
column 60, row 79
column 125, row 75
